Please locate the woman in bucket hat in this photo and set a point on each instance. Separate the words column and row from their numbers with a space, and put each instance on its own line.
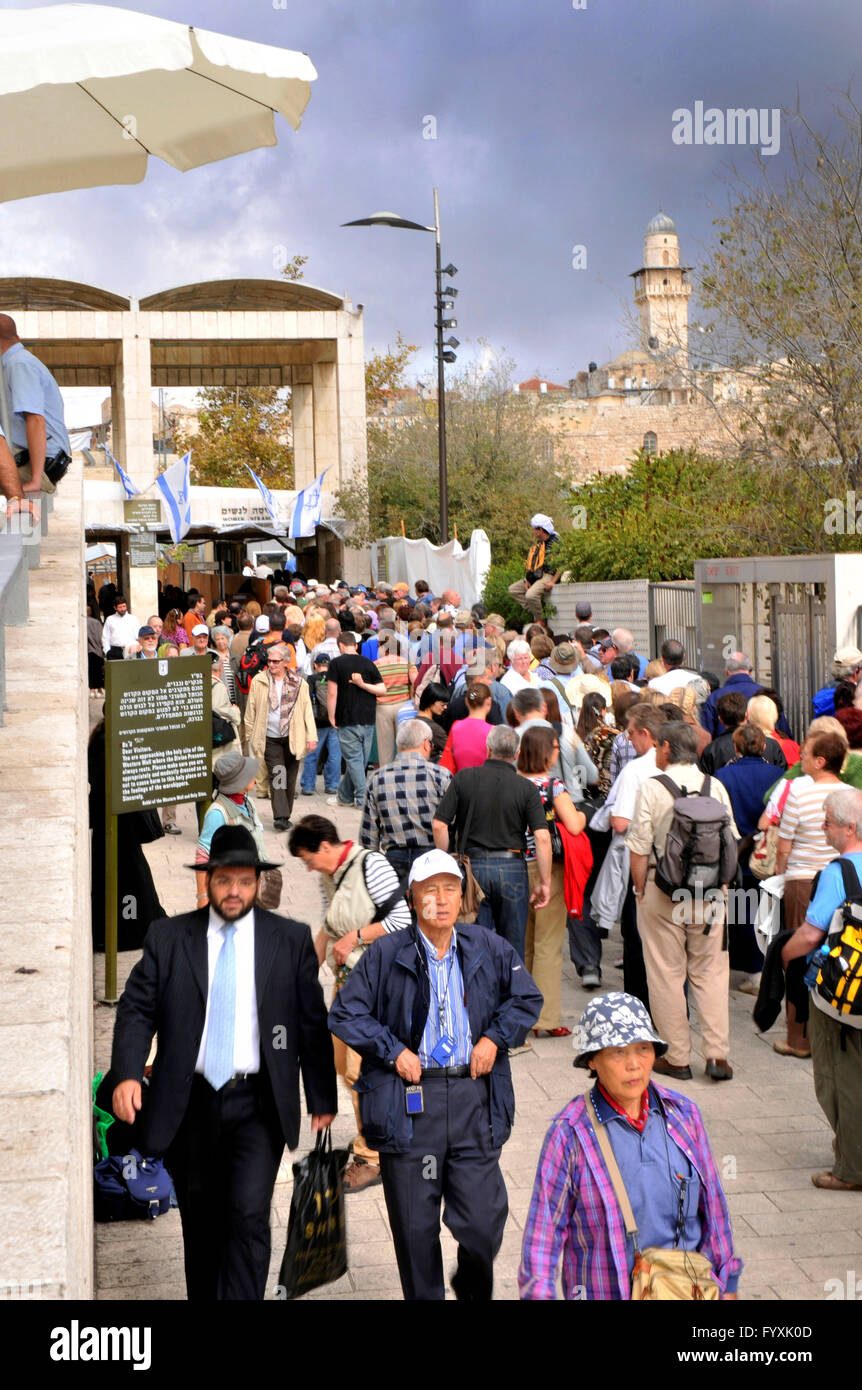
column 660, row 1145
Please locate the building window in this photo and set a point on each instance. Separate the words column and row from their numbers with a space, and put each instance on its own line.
column 650, row 444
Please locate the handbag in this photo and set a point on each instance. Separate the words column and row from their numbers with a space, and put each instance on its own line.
column 659, row 1275
column 269, row 889
column 472, row 893
column 765, row 850
column 316, row 1250
column 558, row 853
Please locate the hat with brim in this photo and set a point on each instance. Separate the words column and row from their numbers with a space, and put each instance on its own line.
column 436, row 861
column 232, row 846
column 563, row 659
column 613, row 1020
column 234, row 772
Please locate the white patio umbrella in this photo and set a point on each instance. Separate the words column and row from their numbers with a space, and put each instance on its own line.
column 87, row 92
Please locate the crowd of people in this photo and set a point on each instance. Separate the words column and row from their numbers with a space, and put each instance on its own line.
column 551, row 788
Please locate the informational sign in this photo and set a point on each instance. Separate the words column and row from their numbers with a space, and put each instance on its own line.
column 250, row 512
column 158, row 732
column 142, row 511
column 143, row 549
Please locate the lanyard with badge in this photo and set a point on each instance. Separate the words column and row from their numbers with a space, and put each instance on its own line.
column 445, row 1045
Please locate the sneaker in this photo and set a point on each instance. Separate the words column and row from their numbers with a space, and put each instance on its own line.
column 359, row 1174
column 591, row 979
column 172, row 829
column 336, row 801
column 303, row 792
column 750, row 985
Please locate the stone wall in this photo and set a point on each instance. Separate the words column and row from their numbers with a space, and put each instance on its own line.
column 604, row 435
column 46, row 1225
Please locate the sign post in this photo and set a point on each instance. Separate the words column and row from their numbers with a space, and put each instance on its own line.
column 158, row 750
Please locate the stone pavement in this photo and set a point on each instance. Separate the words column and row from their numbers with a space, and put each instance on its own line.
column 767, row 1131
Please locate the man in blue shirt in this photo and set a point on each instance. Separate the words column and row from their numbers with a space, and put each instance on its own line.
column 433, row 1011
column 836, row 1039
column 39, row 437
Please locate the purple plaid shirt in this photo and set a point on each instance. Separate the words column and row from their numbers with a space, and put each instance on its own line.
column 574, row 1211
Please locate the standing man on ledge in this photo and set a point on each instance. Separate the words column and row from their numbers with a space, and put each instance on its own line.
column 433, row 1011
column 39, row 438
column 234, row 996
column 539, row 574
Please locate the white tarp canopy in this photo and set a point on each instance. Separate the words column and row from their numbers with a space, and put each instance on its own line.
column 88, row 92
column 444, row 566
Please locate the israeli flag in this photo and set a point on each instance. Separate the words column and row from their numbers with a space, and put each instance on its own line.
column 175, row 485
column 128, row 486
column 269, row 500
column 306, row 508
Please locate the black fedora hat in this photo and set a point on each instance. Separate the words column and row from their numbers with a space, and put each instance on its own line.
column 233, row 845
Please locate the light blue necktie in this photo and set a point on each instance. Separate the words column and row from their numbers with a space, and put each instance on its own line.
column 218, row 1057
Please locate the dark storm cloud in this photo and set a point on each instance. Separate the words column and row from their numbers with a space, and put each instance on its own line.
column 553, row 129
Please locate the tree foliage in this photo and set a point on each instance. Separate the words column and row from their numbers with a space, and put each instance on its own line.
column 675, row 508
column 783, row 293
column 239, row 425
column 500, row 466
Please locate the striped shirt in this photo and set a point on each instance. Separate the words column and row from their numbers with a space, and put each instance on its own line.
column 400, row 802
column 575, row 1215
column 447, row 1011
column 802, row 822
column 623, row 751
column 395, row 675
column 381, row 881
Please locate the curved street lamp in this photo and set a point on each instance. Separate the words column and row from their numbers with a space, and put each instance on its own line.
column 445, row 301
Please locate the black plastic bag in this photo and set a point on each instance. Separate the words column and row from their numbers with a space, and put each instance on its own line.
column 316, row 1251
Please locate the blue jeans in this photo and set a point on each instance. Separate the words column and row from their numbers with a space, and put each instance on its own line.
column 355, row 741
column 327, row 740
column 504, row 881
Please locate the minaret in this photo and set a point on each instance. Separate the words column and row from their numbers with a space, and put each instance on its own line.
column 662, row 292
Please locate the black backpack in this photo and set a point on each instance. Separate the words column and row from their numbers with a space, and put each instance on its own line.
column 253, row 659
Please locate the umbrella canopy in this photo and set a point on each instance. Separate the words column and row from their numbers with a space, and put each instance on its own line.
column 87, row 92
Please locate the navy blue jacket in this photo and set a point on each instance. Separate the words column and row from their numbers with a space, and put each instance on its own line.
column 747, row 686
column 383, row 1008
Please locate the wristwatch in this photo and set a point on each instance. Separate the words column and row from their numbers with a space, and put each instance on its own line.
column 359, row 936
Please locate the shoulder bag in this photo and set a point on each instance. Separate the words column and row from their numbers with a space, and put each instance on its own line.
column 472, row 895
column 659, row 1275
column 765, row 849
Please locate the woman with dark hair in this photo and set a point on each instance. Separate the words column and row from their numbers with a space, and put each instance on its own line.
column 95, row 656
column 173, row 630
column 465, row 746
column 546, row 926
column 598, row 738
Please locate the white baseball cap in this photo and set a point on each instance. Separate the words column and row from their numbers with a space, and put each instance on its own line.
column 261, row 624
column 543, row 521
column 200, row 630
column 436, row 861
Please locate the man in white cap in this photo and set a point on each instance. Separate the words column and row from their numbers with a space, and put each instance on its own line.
column 539, row 574
column 433, row 1012
column 200, row 635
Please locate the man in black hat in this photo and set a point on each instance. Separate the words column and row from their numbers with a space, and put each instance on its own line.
column 234, row 994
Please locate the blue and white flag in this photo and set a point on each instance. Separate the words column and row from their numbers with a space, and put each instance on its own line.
column 269, row 500
column 306, row 508
column 128, row 486
column 175, row 486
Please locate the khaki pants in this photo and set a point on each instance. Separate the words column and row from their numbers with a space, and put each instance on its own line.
column 543, row 950
column 838, row 1088
column 387, row 722
column 676, row 950
column 530, row 595
column 347, row 1064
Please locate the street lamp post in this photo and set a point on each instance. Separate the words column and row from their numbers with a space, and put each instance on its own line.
column 445, row 300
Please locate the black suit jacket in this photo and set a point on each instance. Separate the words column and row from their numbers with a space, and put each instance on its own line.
column 166, row 993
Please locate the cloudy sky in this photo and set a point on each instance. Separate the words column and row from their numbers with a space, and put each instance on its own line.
column 553, row 130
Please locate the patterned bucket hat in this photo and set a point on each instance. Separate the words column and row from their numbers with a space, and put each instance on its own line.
column 613, row 1020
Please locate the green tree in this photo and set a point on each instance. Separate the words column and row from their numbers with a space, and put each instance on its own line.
column 500, row 466
column 239, row 425
column 672, row 509
column 782, row 289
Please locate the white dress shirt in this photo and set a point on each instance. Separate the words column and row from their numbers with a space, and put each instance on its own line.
column 246, row 1035
column 273, row 719
column 120, row 630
